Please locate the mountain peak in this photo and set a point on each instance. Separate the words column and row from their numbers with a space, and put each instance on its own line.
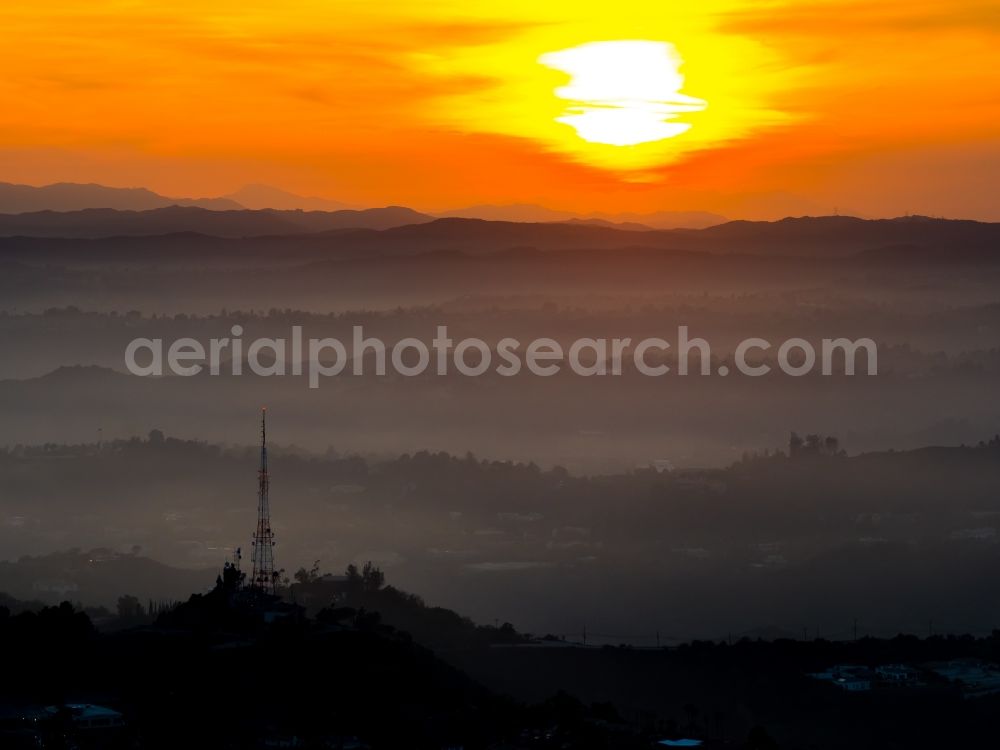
column 258, row 196
column 72, row 196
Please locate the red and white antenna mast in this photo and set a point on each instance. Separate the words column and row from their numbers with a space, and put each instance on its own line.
column 263, row 578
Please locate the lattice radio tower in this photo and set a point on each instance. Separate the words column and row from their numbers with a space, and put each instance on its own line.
column 263, row 578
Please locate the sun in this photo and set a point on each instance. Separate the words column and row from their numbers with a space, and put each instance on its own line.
column 608, row 99
column 623, row 93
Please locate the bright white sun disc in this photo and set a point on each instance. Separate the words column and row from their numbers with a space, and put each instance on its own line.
column 623, row 93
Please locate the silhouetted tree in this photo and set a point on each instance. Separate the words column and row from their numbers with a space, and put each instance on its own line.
column 369, row 578
column 308, row 576
column 372, row 577
column 794, row 445
column 129, row 607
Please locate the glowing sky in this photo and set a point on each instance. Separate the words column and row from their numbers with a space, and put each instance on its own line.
column 766, row 108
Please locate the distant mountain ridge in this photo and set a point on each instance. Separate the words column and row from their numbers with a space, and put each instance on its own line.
column 526, row 212
column 112, row 217
column 258, row 197
column 69, row 196
column 625, row 226
column 98, row 576
column 833, row 235
column 106, row 222
column 175, row 232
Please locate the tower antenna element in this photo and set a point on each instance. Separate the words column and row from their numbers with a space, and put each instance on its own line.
column 263, row 578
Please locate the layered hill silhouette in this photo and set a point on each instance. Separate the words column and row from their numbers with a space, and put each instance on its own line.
column 95, row 212
column 69, row 196
column 395, row 231
column 106, row 222
column 64, row 196
column 97, row 576
column 526, row 212
column 265, row 196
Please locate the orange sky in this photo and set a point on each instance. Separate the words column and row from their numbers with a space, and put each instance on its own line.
column 870, row 108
